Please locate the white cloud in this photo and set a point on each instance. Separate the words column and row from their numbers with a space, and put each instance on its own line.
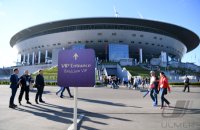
column 140, row 15
column 8, row 57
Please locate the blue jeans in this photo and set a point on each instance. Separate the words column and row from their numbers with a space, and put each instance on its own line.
column 163, row 91
column 61, row 89
column 153, row 96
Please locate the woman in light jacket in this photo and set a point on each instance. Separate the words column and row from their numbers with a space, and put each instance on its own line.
column 163, row 86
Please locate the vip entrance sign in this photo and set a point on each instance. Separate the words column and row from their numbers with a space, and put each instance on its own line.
column 76, row 68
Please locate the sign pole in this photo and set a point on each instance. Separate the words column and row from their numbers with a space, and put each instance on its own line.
column 75, row 107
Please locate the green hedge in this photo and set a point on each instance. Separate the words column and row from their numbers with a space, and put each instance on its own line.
column 4, row 83
column 195, row 84
column 51, row 83
column 98, row 83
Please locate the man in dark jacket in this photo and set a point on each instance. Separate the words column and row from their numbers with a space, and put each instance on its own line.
column 25, row 81
column 14, row 80
column 39, row 82
column 187, row 83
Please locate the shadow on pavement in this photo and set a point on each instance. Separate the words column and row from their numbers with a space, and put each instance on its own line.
column 64, row 114
column 48, row 114
column 107, row 103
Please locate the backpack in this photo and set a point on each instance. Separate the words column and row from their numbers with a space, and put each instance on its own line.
column 187, row 80
column 156, row 83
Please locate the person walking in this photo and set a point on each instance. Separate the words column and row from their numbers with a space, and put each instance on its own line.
column 135, row 83
column 25, row 81
column 60, row 89
column 14, row 80
column 40, row 87
column 143, row 83
column 68, row 90
column 153, row 88
column 186, row 83
column 163, row 86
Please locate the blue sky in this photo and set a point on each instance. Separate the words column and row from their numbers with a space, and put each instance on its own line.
column 15, row 15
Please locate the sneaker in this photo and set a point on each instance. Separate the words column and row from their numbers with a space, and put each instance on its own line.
column 61, row 96
column 12, row 106
column 20, row 103
column 71, row 96
column 42, row 101
column 155, row 105
column 28, row 102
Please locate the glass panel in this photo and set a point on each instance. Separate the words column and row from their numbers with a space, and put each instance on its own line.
column 78, row 46
column 118, row 51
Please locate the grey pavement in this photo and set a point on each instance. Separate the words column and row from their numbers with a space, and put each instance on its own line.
column 104, row 109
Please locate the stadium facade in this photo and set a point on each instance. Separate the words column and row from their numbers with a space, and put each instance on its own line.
column 113, row 39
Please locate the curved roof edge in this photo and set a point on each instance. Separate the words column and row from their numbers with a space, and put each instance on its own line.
column 189, row 38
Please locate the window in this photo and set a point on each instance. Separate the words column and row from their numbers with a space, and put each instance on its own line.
column 105, row 40
column 118, row 52
column 132, row 42
column 160, row 38
column 134, row 35
column 91, row 41
column 99, row 41
column 99, row 34
column 87, row 41
column 114, row 34
column 58, row 43
column 120, row 41
column 141, row 35
column 152, row 44
column 139, row 42
column 78, row 46
column 79, row 41
column 146, row 43
column 54, row 44
column 155, row 37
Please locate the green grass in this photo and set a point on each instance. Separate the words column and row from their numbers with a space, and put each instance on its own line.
column 51, row 74
column 138, row 71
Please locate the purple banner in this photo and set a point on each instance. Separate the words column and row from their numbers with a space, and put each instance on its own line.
column 76, row 68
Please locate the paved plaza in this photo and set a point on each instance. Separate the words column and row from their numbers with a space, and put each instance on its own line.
column 104, row 109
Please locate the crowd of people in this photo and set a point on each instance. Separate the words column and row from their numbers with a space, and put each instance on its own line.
column 154, row 84
column 24, row 82
column 133, row 82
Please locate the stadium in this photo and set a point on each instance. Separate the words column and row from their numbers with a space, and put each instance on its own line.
column 113, row 39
